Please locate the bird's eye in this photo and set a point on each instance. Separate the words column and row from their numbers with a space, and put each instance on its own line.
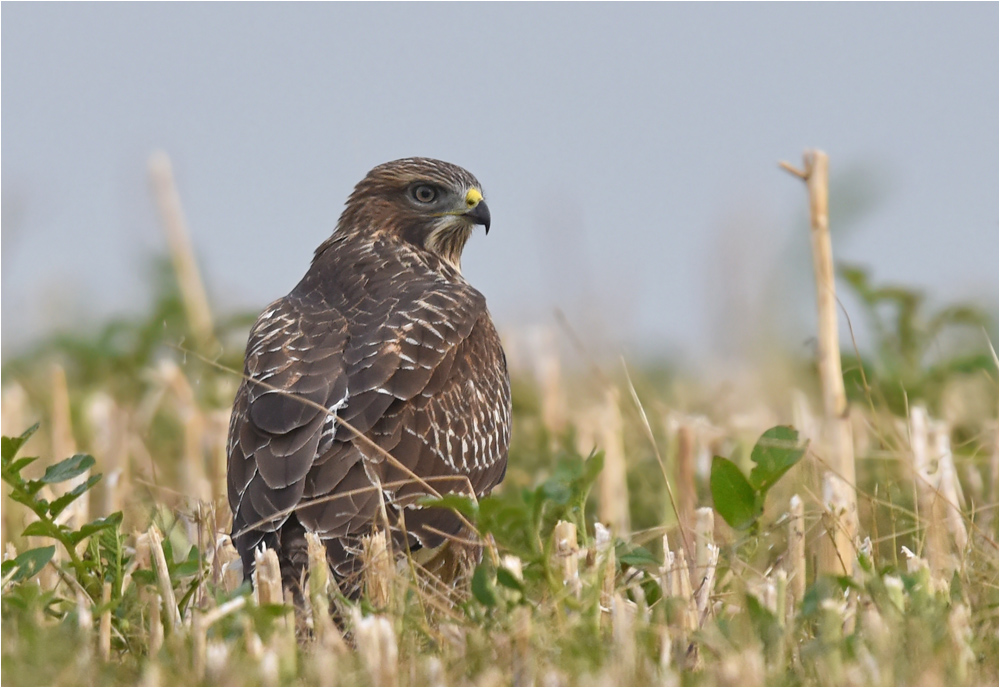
column 425, row 193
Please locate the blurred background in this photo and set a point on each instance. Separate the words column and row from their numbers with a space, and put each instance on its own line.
column 628, row 152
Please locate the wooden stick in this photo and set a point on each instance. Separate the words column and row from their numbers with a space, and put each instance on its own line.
column 181, row 252
column 838, row 557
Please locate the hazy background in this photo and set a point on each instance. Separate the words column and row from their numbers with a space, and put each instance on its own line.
column 628, row 152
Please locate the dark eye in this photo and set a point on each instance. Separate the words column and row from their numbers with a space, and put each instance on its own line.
column 425, row 193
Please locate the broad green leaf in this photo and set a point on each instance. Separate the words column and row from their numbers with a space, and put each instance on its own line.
column 188, row 567
column 482, row 587
column 96, row 526
column 508, row 580
column 67, row 469
column 58, row 505
column 732, row 495
column 15, row 468
column 29, row 563
column 43, row 528
column 27, row 497
column 776, row 451
column 10, row 446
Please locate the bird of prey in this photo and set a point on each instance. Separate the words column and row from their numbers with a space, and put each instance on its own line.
column 377, row 380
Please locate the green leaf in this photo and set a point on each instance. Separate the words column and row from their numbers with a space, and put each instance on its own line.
column 10, row 446
column 15, row 468
column 189, row 567
column 144, row 576
column 482, row 586
column 58, row 505
column 96, row 526
column 45, row 529
column 508, row 580
column 775, row 453
column 67, row 469
column 634, row 555
column 732, row 495
column 29, row 563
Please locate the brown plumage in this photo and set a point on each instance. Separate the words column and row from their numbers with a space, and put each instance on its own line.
column 383, row 332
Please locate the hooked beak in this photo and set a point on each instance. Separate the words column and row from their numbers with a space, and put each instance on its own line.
column 477, row 211
column 480, row 215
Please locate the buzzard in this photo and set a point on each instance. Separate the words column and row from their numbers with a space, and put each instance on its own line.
column 377, row 380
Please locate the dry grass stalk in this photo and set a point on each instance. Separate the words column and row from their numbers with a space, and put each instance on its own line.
column 782, row 609
column 960, row 633
column 623, row 614
column 175, row 227
column 612, row 483
column 267, row 577
column 604, row 546
column 434, row 671
column 13, row 422
column 217, row 658
column 837, row 520
column 104, row 631
column 667, row 674
column 194, row 482
column 227, row 567
column 930, row 500
column 199, row 643
column 63, row 446
column 949, row 488
column 707, row 559
column 704, row 539
column 838, row 555
column 216, row 437
column 523, row 664
column 687, row 493
column 567, row 552
column 548, row 375
column 796, row 560
column 830, row 632
column 159, row 561
column 675, row 581
column 109, row 426
column 378, row 569
column 155, row 624
column 201, row 621
column 327, row 635
column 377, row 648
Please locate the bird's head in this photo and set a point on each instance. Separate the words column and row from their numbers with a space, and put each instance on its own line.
column 429, row 203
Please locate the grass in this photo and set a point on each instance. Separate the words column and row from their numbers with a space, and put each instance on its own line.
column 94, row 613
column 653, row 528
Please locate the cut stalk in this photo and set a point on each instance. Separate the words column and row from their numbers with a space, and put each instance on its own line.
column 837, row 553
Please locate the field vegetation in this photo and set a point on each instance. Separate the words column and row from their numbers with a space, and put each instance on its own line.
column 653, row 528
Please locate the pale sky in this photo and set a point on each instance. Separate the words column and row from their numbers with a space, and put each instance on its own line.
column 628, row 152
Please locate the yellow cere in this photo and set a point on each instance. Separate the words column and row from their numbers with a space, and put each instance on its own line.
column 472, row 198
